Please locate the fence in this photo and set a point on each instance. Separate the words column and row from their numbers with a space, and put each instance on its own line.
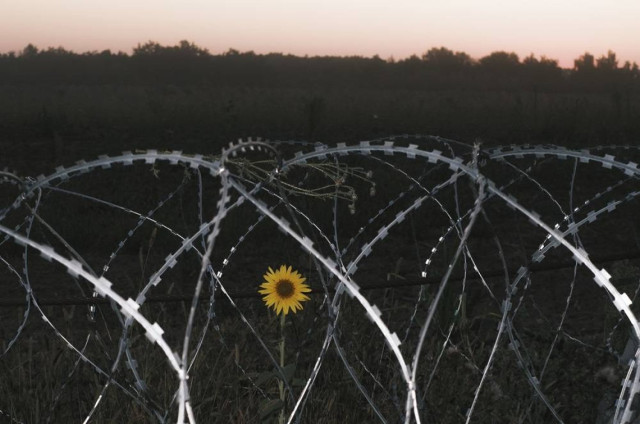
column 481, row 273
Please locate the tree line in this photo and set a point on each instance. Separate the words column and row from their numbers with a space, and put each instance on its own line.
column 437, row 69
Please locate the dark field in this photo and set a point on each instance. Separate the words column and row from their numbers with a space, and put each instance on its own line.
column 46, row 125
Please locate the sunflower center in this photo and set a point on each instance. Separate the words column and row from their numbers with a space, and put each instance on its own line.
column 284, row 288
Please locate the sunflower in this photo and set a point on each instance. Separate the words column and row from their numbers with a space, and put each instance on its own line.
column 284, row 289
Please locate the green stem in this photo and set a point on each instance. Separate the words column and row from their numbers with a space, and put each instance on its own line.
column 281, row 382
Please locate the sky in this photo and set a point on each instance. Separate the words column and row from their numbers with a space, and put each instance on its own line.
column 558, row 29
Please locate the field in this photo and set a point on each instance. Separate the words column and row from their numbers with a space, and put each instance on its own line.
column 417, row 249
column 52, row 125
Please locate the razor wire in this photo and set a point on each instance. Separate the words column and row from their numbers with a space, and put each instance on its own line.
column 220, row 219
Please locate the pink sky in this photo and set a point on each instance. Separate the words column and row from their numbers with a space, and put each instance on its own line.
column 558, row 29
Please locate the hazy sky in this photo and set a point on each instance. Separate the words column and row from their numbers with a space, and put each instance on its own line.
column 559, row 29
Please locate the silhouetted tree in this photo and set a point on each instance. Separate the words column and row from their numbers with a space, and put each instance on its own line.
column 30, row 51
column 500, row 70
column 543, row 62
column 438, row 68
column 602, row 73
column 608, row 62
column 500, row 61
column 184, row 49
column 56, row 51
column 544, row 65
column 447, row 60
column 191, row 49
column 411, row 71
column 628, row 67
column 543, row 72
column 585, row 63
column 443, row 68
column 148, row 48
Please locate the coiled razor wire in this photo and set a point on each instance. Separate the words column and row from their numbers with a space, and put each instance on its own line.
column 454, row 253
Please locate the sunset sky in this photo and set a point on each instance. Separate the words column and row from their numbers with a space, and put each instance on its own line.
column 558, row 29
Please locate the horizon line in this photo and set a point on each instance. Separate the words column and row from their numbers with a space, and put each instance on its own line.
column 389, row 59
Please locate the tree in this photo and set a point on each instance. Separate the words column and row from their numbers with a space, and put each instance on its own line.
column 542, row 63
column 541, row 74
column 444, row 59
column 56, row 51
column 585, row 63
column 147, row 49
column 29, row 51
column 608, row 62
column 500, row 62
column 184, row 49
column 191, row 49
column 231, row 52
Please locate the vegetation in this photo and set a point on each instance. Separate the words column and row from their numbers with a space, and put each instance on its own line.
column 57, row 107
column 437, row 69
column 532, row 324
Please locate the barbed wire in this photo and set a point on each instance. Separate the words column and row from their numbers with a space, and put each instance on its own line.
column 404, row 281
column 482, row 225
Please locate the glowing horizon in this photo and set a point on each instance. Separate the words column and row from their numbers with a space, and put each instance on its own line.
column 332, row 28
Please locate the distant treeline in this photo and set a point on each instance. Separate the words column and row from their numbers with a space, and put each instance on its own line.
column 437, row 69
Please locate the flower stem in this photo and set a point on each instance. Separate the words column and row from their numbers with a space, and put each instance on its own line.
column 281, row 382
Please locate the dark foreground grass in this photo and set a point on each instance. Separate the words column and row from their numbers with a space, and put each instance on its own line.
column 565, row 330
column 233, row 382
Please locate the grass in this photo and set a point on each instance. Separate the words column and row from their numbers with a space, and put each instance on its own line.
column 67, row 123
column 559, row 316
